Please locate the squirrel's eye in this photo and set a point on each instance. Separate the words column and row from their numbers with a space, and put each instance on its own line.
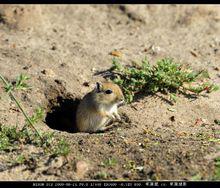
column 108, row 91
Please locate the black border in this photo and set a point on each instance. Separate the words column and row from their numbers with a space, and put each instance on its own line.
column 174, row 184
column 118, row 184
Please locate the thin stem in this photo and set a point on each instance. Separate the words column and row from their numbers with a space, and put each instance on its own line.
column 20, row 107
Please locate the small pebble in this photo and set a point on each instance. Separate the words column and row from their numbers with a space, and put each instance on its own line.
column 57, row 162
column 86, row 84
column 81, row 168
column 48, row 72
column 172, row 118
column 93, row 69
column 53, row 48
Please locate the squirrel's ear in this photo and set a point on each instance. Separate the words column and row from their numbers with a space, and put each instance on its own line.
column 98, row 86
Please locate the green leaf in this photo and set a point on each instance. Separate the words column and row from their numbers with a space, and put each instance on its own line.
column 20, row 82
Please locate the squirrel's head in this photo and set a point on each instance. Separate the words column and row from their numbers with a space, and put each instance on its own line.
column 108, row 93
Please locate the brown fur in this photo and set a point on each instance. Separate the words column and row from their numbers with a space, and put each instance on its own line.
column 95, row 109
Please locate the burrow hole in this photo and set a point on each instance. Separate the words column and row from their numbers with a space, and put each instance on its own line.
column 62, row 114
column 62, row 107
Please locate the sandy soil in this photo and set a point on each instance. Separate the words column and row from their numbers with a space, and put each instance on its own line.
column 62, row 46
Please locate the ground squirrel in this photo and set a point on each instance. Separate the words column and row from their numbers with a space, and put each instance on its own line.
column 99, row 108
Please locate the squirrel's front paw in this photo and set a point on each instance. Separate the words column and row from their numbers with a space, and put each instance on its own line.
column 117, row 117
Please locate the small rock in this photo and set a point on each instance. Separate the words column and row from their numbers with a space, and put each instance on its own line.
column 49, row 171
column 204, row 120
column 80, row 142
column 172, row 118
column 25, row 67
column 86, row 84
column 171, row 109
column 113, row 176
column 57, row 162
column 93, row 69
column 141, row 145
column 53, row 48
column 194, row 53
column 215, row 50
column 63, row 64
column 139, row 168
column 60, row 82
column 48, row 72
column 13, row 45
column 155, row 49
column 81, row 168
column 127, row 174
column 116, row 53
column 216, row 121
column 201, row 121
column 58, row 173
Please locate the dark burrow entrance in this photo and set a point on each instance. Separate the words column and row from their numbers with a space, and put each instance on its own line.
column 62, row 114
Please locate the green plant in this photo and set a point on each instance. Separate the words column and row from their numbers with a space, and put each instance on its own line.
column 131, row 165
column 217, row 169
column 10, row 132
column 196, row 177
column 62, row 148
column 11, row 138
column 217, row 140
column 20, row 84
column 166, row 76
column 38, row 115
column 109, row 162
column 20, row 159
column 101, row 175
column 4, row 142
column 16, row 160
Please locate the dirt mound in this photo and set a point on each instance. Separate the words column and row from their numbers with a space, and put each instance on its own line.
column 23, row 17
